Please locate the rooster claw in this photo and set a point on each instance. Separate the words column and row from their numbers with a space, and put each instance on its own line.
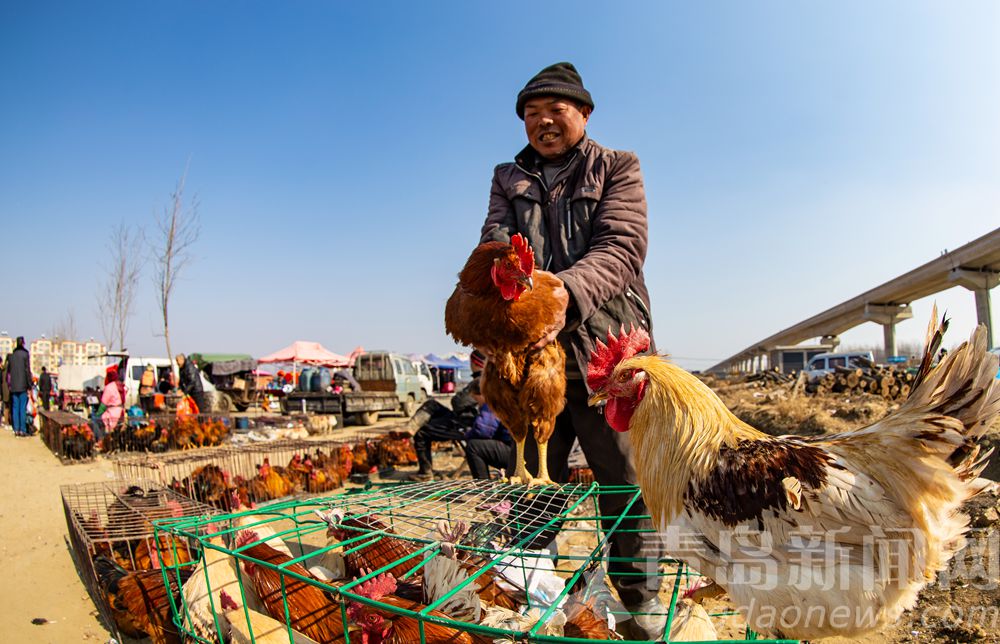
column 534, row 482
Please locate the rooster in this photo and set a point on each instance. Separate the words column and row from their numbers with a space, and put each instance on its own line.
column 855, row 523
column 310, row 610
column 139, row 601
column 503, row 306
column 381, row 626
column 216, row 572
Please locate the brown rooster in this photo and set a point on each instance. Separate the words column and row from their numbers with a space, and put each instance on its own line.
column 504, row 306
column 396, row 448
column 381, row 626
column 310, row 610
column 852, row 524
column 385, row 550
column 139, row 602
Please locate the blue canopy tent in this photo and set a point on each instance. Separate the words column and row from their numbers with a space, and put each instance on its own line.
column 448, row 370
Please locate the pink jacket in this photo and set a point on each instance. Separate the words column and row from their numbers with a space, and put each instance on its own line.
column 112, row 399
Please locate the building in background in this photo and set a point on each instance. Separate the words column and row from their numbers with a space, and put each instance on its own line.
column 53, row 353
column 6, row 345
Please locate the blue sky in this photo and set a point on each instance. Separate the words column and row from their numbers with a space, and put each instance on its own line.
column 795, row 155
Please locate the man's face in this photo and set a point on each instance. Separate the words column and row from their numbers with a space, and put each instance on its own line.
column 180, row 361
column 554, row 125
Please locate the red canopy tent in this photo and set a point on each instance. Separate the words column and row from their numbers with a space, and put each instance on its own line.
column 310, row 353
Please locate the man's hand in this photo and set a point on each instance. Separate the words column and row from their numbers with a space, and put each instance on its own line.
column 551, row 331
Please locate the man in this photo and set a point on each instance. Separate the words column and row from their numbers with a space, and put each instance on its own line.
column 19, row 382
column 582, row 207
column 147, row 388
column 438, row 423
column 45, row 388
column 190, row 382
column 487, row 442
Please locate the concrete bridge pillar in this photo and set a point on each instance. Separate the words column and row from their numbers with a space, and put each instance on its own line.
column 979, row 282
column 888, row 315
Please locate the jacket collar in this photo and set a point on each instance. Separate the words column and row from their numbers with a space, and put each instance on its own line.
column 529, row 159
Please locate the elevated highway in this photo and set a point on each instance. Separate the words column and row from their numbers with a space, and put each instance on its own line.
column 976, row 266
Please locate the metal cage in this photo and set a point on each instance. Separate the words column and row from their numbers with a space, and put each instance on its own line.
column 115, row 519
column 553, row 538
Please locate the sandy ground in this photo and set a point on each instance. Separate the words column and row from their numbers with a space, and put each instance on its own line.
column 40, row 579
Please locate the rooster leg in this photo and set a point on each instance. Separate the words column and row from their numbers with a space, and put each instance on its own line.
column 543, row 466
column 521, row 475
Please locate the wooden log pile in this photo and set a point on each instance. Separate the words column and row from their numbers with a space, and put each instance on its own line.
column 889, row 383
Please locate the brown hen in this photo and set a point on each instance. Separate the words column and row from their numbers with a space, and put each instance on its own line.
column 504, row 306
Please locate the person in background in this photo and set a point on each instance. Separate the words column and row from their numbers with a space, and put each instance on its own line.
column 112, row 400
column 147, row 388
column 438, row 423
column 45, row 388
column 190, row 382
column 487, row 443
column 20, row 383
column 4, row 392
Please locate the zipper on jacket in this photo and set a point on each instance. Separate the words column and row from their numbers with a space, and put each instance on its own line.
column 642, row 305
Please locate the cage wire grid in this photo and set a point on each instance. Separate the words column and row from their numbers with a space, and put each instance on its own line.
column 506, row 526
column 111, row 518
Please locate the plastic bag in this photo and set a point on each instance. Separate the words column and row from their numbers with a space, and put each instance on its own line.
column 186, row 406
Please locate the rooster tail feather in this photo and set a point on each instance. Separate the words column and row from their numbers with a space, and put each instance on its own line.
column 963, row 386
column 109, row 573
column 932, row 342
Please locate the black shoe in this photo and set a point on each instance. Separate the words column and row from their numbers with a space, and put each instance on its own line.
column 649, row 620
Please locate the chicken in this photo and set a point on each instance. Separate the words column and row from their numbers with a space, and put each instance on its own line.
column 209, row 484
column 453, row 566
column 216, row 572
column 310, row 610
column 271, row 483
column 248, row 626
column 855, row 523
column 396, row 448
column 166, row 550
column 381, row 626
column 503, row 306
column 258, row 524
column 139, row 601
column 384, row 550
column 691, row 623
column 583, row 622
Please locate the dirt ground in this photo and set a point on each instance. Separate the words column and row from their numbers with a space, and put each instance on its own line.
column 41, row 581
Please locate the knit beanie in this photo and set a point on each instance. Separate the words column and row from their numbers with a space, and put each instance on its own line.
column 560, row 79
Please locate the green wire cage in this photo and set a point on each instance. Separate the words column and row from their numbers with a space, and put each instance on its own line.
column 446, row 545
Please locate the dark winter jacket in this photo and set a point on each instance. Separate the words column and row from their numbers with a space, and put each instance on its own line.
column 190, row 379
column 45, row 383
column 19, row 371
column 588, row 226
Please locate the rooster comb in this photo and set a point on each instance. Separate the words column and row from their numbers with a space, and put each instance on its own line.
column 525, row 255
column 377, row 587
column 605, row 357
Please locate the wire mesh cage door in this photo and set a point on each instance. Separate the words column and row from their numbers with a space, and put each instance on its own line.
column 465, row 561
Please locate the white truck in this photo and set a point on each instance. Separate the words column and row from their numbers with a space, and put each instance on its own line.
column 74, row 379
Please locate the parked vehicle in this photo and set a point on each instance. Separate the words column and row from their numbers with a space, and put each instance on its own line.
column 425, row 376
column 163, row 368
column 232, row 376
column 73, row 380
column 389, row 383
column 825, row 363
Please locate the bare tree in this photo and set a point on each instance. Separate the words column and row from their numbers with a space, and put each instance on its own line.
column 65, row 328
column 177, row 231
column 117, row 296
